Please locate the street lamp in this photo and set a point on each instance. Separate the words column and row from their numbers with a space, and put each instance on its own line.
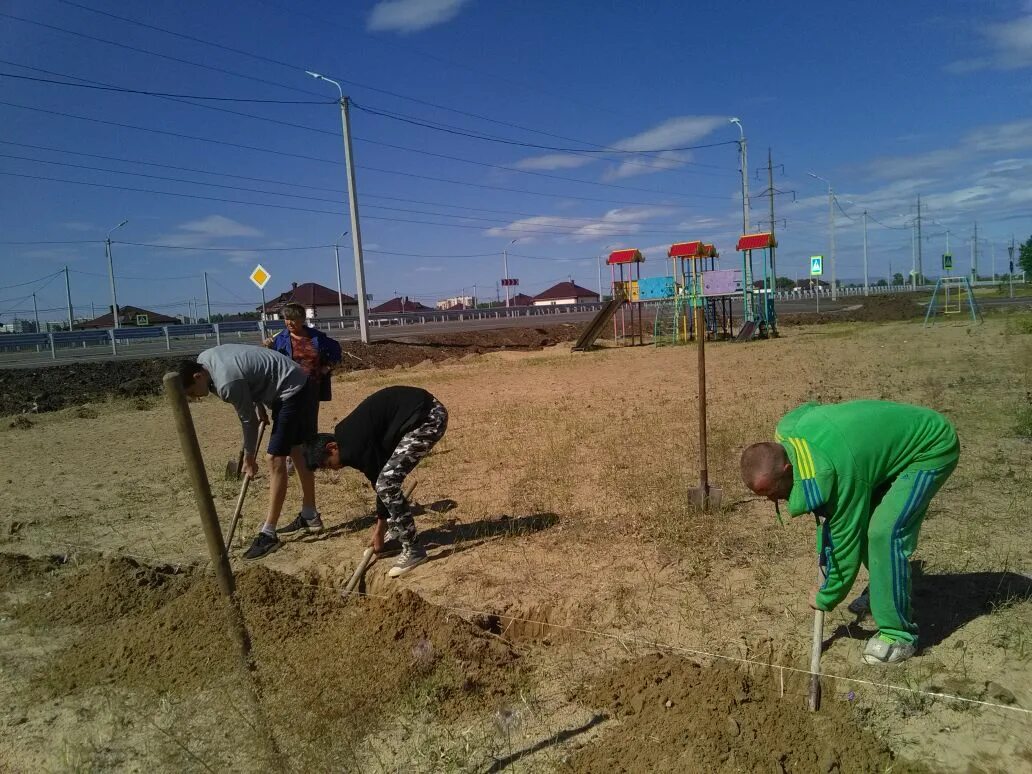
column 831, row 231
column 111, row 273
column 505, row 268
column 745, row 174
column 340, row 290
column 356, row 231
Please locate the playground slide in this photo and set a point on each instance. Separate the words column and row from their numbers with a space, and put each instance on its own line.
column 747, row 332
column 594, row 328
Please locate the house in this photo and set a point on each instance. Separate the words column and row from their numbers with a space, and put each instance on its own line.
column 400, row 305
column 520, row 299
column 465, row 302
column 318, row 300
column 129, row 317
column 565, row 293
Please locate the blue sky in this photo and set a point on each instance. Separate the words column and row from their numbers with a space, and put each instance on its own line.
column 885, row 100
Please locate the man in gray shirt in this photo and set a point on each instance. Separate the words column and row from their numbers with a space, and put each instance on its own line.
column 251, row 378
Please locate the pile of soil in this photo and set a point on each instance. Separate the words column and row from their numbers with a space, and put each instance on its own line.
column 56, row 387
column 675, row 715
column 870, row 309
column 16, row 569
column 328, row 670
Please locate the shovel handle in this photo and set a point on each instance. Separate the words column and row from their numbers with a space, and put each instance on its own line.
column 814, row 698
column 243, row 490
column 367, row 557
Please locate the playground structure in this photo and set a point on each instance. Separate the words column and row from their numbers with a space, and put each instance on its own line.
column 694, row 282
column 952, row 303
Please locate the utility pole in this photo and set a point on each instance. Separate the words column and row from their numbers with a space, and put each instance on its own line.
column 68, row 293
column 207, row 298
column 505, row 268
column 35, row 310
column 867, row 287
column 992, row 252
column 831, row 231
column 1010, row 252
column 770, row 192
column 340, row 290
column 920, row 255
column 913, row 255
column 745, row 175
column 974, row 255
column 111, row 273
column 356, row 231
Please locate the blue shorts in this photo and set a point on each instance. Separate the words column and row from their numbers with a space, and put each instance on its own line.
column 294, row 421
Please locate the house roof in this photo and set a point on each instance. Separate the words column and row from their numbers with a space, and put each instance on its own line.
column 127, row 316
column 759, row 241
column 309, row 295
column 400, row 304
column 520, row 299
column 565, row 290
column 630, row 255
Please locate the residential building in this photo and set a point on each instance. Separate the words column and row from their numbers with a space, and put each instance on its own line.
column 466, row 302
column 400, row 305
column 129, row 317
column 565, row 293
column 318, row 300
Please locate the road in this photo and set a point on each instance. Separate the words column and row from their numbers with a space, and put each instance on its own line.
column 184, row 347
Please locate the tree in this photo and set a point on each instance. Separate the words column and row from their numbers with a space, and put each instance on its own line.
column 881, row 283
column 784, row 283
column 1025, row 257
column 897, row 279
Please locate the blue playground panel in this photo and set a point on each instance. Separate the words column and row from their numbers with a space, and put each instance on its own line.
column 656, row 287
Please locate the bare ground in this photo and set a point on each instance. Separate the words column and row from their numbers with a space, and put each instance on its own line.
column 569, row 539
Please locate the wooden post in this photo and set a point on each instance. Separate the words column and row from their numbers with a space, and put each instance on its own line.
column 217, row 552
column 814, row 698
column 700, row 335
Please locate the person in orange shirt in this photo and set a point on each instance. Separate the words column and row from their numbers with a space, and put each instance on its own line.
column 317, row 354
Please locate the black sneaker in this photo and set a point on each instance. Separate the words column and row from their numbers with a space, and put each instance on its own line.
column 262, row 545
column 301, row 524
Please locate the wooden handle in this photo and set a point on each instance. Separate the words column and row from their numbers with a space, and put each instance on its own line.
column 243, row 491
column 814, row 700
column 367, row 557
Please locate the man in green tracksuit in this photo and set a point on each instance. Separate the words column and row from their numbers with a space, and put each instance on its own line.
column 867, row 470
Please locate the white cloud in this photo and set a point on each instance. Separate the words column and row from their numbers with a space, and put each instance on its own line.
column 671, row 133
column 621, row 220
column 406, row 16
column 1009, row 44
column 218, row 226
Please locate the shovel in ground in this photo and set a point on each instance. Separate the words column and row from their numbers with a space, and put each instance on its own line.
column 243, row 490
column 703, row 496
column 368, row 557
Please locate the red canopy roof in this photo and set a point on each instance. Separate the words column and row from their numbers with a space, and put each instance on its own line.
column 685, row 250
column 756, row 241
column 630, row 255
column 710, row 251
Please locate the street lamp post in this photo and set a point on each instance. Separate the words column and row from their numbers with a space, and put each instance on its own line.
column 340, row 290
column 111, row 272
column 505, row 268
column 356, row 231
column 831, row 231
column 745, row 175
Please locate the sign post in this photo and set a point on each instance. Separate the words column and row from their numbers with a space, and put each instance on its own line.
column 816, row 270
column 261, row 277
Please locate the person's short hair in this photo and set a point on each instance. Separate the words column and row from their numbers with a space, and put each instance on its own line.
column 293, row 311
column 188, row 369
column 316, row 451
column 762, row 462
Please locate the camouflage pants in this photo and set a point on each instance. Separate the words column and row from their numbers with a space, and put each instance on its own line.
column 412, row 448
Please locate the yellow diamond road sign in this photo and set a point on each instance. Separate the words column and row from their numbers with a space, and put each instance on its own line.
column 260, row 276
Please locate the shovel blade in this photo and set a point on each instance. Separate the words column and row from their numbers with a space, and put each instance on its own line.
column 706, row 498
column 233, row 469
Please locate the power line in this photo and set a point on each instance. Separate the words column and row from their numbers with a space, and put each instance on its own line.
column 30, row 282
column 296, row 67
column 123, row 90
column 536, row 146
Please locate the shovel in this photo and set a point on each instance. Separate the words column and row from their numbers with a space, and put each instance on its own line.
column 367, row 558
column 703, row 496
column 243, row 489
column 814, row 698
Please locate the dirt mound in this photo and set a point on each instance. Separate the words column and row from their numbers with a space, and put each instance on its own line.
column 328, row 669
column 870, row 309
column 16, row 569
column 57, row 387
column 106, row 592
column 678, row 716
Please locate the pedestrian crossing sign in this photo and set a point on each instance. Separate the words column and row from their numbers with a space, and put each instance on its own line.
column 816, row 265
column 947, row 262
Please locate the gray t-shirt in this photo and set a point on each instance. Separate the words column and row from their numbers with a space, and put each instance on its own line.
column 244, row 375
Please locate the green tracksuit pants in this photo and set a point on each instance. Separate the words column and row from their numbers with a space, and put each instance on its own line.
column 898, row 511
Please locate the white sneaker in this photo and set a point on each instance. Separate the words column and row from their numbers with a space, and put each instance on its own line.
column 410, row 558
column 880, row 651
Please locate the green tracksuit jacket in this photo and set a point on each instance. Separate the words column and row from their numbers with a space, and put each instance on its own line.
column 869, row 469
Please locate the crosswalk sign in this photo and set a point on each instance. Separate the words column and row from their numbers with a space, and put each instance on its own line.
column 816, row 265
column 947, row 262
